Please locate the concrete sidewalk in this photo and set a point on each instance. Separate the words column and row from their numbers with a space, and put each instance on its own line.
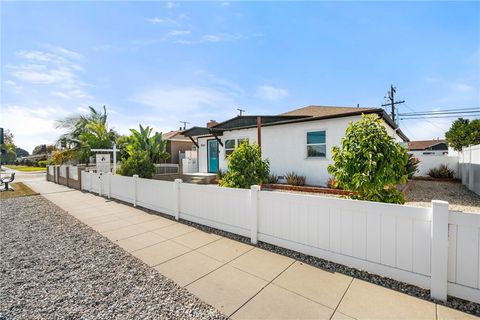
column 242, row 281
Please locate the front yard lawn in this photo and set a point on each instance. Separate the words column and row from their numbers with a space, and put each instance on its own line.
column 19, row 190
column 25, row 168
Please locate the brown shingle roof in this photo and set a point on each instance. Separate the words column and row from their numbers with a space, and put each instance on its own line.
column 320, row 111
column 174, row 135
column 423, row 144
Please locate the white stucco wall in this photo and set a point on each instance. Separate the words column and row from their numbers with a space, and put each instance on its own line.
column 285, row 147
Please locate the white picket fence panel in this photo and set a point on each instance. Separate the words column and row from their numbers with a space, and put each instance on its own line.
column 222, row 208
column 428, row 247
column 63, row 171
column 156, row 195
column 73, row 172
column 464, row 255
column 469, row 167
column 122, row 188
column 380, row 238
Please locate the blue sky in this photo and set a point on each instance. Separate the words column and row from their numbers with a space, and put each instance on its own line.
column 157, row 63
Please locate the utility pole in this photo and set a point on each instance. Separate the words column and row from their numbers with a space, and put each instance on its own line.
column 241, row 111
column 184, row 124
column 391, row 101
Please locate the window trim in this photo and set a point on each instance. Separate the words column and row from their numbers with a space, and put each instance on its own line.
column 236, row 139
column 315, row 144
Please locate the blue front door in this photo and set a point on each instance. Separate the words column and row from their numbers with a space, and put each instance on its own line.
column 212, row 152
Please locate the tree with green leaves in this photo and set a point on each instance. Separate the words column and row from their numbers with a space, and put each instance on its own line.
column 140, row 151
column 8, row 148
column 21, row 152
column 86, row 132
column 153, row 143
column 245, row 167
column 370, row 162
column 463, row 133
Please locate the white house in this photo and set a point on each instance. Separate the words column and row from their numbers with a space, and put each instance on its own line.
column 435, row 147
column 299, row 140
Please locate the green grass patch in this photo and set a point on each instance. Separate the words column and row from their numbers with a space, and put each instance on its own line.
column 26, row 168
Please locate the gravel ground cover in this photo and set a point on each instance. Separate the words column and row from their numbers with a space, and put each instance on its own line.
column 53, row 266
column 458, row 196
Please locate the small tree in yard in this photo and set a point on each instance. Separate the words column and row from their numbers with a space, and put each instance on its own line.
column 245, row 167
column 370, row 162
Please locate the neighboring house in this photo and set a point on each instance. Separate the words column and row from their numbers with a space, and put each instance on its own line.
column 177, row 144
column 299, row 140
column 428, row 147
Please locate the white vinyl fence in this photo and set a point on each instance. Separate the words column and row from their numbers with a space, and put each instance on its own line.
column 428, row 162
column 428, row 247
column 469, row 167
column 63, row 171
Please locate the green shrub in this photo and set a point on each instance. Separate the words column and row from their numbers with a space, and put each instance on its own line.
column 43, row 163
column 138, row 163
column 442, row 171
column 245, row 167
column 295, row 179
column 370, row 162
column 412, row 166
column 272, row 179
column 333, row 183
column 220, row 174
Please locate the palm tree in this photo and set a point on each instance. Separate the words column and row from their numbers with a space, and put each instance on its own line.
column 153, row 144
column 85, row 132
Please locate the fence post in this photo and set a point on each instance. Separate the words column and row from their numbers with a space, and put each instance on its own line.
column 100, row 184
column 438, row 285
column 109, row 185
column 254, row 208
column 135, row 183
column 470, row 169
column 91, row 180
column 176, row 187
column 67, row 174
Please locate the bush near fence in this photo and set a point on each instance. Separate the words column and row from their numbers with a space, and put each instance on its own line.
column 428, row 247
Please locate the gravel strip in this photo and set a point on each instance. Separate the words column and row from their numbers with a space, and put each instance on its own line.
column 53, row 266
column 458, row 196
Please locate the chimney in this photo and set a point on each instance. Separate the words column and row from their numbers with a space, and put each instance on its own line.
column 211, row 123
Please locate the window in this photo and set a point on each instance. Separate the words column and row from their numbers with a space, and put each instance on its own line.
column 316, row 145
column 231, row 144
column 229, row 147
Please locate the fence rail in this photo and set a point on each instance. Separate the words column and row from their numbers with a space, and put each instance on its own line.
column 428, row 247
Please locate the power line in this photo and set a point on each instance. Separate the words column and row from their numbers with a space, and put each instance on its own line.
column 437, row 117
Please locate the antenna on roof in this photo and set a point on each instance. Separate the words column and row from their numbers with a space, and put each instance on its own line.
column 240, row 111
column 184, row 124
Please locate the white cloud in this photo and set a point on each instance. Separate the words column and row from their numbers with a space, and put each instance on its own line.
column 157, row 20
column 31, row 126
column 195, row 104
column 462, row 87
column 175, row 33
column 219, row 37
column 54, row 68
column 224, row 4
column 170, row 5
column 271, row 93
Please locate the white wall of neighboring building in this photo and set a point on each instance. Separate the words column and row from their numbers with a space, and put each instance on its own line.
column 427, row 153
column 286, row 147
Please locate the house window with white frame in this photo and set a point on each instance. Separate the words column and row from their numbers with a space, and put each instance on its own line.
column 231, row 144
column 229, row 147
column 316, row 144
